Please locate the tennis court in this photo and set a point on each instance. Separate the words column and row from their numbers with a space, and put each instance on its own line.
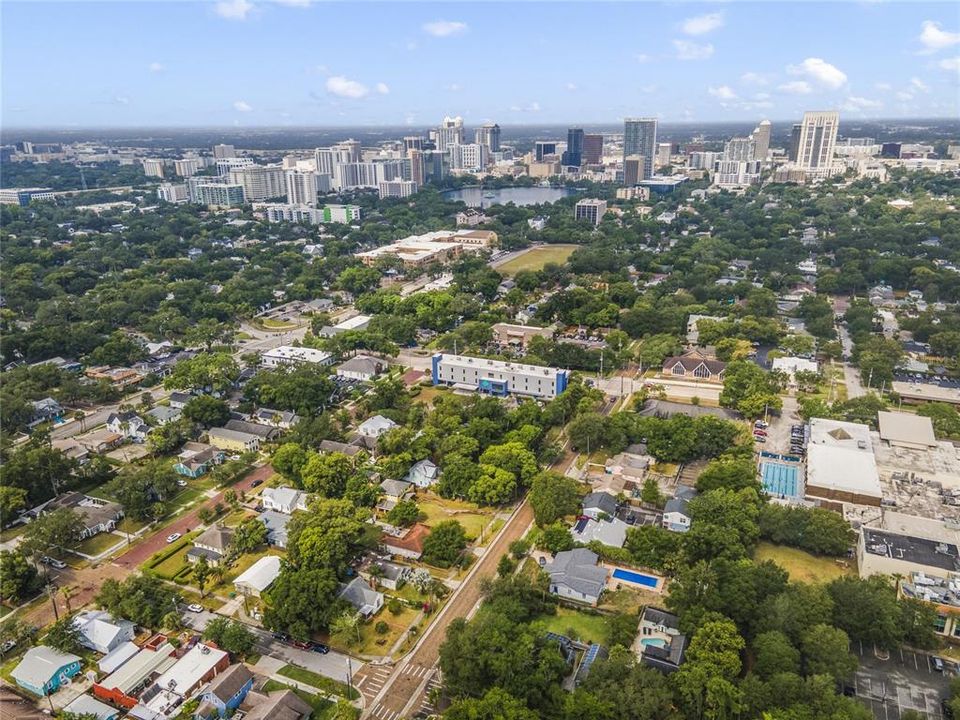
column 781, row 480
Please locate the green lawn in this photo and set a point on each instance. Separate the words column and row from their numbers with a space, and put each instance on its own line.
column 172, row 565
column 318, row 681
column 11, row 532
column 129, row 525
column 467, row 514
column 321, row 707
column 536, row 258
column 99, row 543
column 801, row 565
column 241, row 566
column 577, row 625
column 375, row 644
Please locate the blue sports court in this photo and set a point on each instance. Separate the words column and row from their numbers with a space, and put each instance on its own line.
column 781, row 480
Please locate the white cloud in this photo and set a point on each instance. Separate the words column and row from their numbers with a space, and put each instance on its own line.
column 724, row 92
column 242, row 106
column 952, row 64
column 821, row 72
column 761, row 96
column 383, row 88
column 689, row 50
column 454, row 87
column 444, row 28
column 342, row 87
column 702, row 24
column 883, row 86
column 571, row 86
column 904, row 96
column 642, row 57
column 753, row 78
column 233, row 9
column 855, row 103
column 919, row 85
column 532, row 107
column 796, row 87
column 156, row 67
column 294, row 3
column 933, row 38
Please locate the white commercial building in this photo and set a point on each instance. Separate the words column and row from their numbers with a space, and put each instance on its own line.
column 592, row 210
column 260, row 182
column 818, row 136
column 497, row 377
column 301, row 187
column 840, row 463
column 172, row 193
column 290, row 355
column 279, row 212
column 187, row 167
column 398, row 188
column 468, row 158
column 153, row 168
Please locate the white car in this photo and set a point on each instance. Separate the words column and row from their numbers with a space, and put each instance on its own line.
column 173, row 537
column 195, row 608
column 181, row 483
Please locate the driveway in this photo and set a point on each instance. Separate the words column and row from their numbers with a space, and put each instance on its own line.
column 334, row 665
column 140, row 552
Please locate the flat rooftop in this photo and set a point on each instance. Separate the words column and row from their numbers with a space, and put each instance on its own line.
column 496, row 365
column 912, row 549
column 840, row 457
column 899, row 428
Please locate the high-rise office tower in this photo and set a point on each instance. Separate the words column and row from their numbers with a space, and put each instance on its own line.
column 412, row 142
column 471, row 157
column 633, row 169
column 222, row 152
column 818, row 135
column 761, row 136
column 573, row 155
column 488, row 134
column 592, row 149
column 640, row 138
column 449, row 133
column 794, row 149
column 544, row 147
column 301, row 187
column 417, row 169
column 664, row 151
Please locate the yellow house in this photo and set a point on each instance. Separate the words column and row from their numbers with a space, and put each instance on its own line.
column 234, row 440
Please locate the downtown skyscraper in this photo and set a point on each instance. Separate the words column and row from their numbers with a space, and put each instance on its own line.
column 573, row 155
column 640, row 138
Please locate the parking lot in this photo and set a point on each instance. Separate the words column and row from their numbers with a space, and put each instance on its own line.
column 902, row 680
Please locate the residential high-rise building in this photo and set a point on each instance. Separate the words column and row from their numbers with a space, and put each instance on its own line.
column 153, row 168
column 187, row 167
column 301, row 188
column 740, row 149
column 347, row 151
column 761, row 136
column 417, row 170
column 592, row 149
column 412, row 142
column 218, row 194
column 222, row 152
column 260, row 182
column 703, row 160
column 225, row 165
column 168, row 192
column 664, row 151
column 573, row 155
column 369, row 174
column 592, row 210
column 794, row 149
column 542, row 148
column 488, row 134
column 633, row 169
column 323, row 159
column 470, row 158
column 818, row 135
column 640, row 138
column 449, row 133
column 397, row 188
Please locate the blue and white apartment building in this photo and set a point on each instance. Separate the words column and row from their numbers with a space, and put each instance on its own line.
column 497, row 377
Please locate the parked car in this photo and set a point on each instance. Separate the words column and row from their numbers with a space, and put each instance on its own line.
column 173, row 537
column 761, row 424
column 282, row 637
column 301, row 645
column 53, row 562
column 759, row 439
column 195, row 608
column 760, row 432
column 320, row 648
column 7, row 646
column 937, row 664
column 181, row 483
column 256, row 483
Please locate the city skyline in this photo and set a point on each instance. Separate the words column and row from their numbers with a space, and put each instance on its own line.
column 237, row 63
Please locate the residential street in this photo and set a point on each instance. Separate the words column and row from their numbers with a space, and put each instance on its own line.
column 100, row 415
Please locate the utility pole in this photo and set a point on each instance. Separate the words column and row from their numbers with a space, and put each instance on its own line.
column 52, row 592
column 349, row 678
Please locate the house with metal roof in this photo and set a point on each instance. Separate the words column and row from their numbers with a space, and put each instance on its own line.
column 224, row 693
column 86, row 705
column 376, row 426
column 423, row 474
column 44, row 669
column 122, row 687
column 611, row 531
column 258, row 577
column 99, row 631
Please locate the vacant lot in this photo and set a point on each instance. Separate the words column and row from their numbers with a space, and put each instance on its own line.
column 577, row 625
column 536, row 258
column 438, row 509
column 801, row 565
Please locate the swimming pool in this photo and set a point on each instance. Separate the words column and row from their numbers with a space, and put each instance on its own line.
column 635, row 578
column 780, row 480
column 655, row 642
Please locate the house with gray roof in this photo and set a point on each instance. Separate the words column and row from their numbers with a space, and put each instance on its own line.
column 676, row 513
column 284, row 499
column 423, row 474
column 332, row 446
column 276, row 524
column 361, row 367
column 575, row 575
column 99, row 631
column 387, row 574
column 264, row 432
column 44, row 669
column 376, row 426
column 612, row 531
column 659, row 643
column 224, row 693
column 599, row 504
column 366, row 600
column 212, row 543
column 162, row 414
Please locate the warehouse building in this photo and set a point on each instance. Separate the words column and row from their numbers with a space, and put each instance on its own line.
column 497, row 377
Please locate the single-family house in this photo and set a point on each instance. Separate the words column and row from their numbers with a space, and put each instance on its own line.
column 99, row 631
column 676, row 512
column 361, row 367
column 276, row 524
column 575, row 575
column 695, row 364
column 659, row 643
column 278, row 705
column 364, row 599
column 163, row 414
column 387, row 574
column 197, row 459
column 46, row 410
column 179, row 400
column 376, row 426
column 97, row 515
column 599, row 505
column 264, row 432
column 212, row 543
column 227, row 439
column 407, row 543
column 87, row 706
column 284, row 419
column 332, row 446
column 396, row 490
column 128, row 424
column 423, row 474
column 100, row 441
column 612, row 531
column 224, row 693
column 284, row 499
column 258, row 577
column 44, row 669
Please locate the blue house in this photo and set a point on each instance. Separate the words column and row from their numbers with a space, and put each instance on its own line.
column 224, row 693
column 197, row 459
column 43, row 669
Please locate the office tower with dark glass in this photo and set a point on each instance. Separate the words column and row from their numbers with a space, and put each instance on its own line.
column 543, row 148
column 592, row 149
column 573, row 155
column 640, row 138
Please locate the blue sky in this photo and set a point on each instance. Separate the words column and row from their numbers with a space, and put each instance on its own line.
column 296, row 62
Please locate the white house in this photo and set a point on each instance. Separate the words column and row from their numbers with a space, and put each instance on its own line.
column 362, row 368
column 284, row 499
column 129, row 425
column 376, row 426
column 259, row 576
column 423, row 474
column 100, row 632
column 676, row 513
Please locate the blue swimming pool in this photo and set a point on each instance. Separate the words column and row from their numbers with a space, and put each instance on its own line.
column 635, row 578
column 655, row 642
column 780, row 479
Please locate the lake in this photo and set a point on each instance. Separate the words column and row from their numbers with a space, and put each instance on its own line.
column 475, row 197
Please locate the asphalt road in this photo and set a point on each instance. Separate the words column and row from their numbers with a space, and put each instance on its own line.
column 333, row 665
column 100, row 415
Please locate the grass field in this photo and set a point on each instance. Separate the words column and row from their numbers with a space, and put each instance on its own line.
column 467, row 514
column 577, row 625
column 318, row 681
column 98, row 543
column 536, row 258
column 801, row 565
column 374, row 644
